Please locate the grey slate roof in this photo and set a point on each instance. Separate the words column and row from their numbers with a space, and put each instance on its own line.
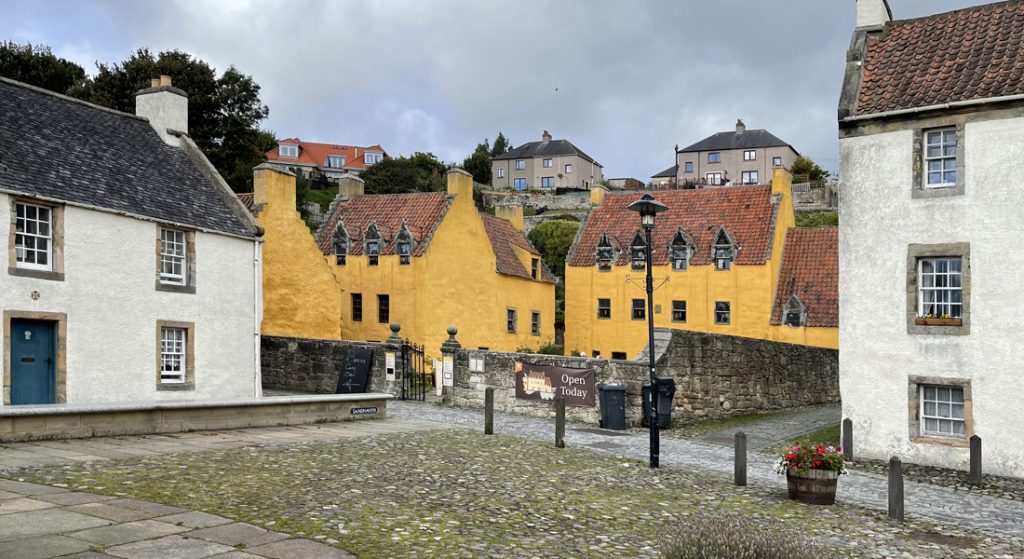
column 751, row 139
column 545, row 149
column 58, row 148
column 670, row 172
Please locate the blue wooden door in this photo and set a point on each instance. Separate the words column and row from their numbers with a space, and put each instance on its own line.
column 33, row 360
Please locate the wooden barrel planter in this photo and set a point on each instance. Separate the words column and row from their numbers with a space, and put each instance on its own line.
column 816, row 487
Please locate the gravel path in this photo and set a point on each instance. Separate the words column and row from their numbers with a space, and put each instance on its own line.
column 940, row 504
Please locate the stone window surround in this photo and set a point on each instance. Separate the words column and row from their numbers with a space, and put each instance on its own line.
column 914, row 384
column 918, row 188
column 535, row 323
column 60, row 367
column 190, row 356
column 511, row 319
column 918, row 251
column 190, row 262
column 56, row 273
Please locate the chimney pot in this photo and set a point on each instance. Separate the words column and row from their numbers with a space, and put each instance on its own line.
column 165, row 80
column 155, row 82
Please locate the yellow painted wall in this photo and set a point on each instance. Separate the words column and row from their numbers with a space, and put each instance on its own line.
column 453, row 283
column 301, row 296
column 749, row 289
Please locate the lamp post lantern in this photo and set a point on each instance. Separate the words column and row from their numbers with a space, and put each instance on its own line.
column 647, row 207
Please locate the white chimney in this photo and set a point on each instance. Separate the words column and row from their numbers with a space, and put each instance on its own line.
column 165, row 106
column 873, row 13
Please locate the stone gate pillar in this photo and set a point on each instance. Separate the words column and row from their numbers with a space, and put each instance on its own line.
column 449, row 348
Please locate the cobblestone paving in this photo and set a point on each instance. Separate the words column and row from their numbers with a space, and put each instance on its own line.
column 780, row 427
column 939, row 504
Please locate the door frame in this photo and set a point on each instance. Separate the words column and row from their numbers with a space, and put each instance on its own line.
column 61, row 366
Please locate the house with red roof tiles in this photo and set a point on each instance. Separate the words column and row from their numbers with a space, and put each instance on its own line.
column 329, row 160
column 429, row 260
column 724, row 260
column 931, row 147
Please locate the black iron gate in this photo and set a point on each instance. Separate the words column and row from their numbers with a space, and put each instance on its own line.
column 415, row 378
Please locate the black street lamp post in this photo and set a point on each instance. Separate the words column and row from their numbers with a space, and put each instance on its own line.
column 647, row 206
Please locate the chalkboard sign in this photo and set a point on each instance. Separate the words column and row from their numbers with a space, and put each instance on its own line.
column 356, row 371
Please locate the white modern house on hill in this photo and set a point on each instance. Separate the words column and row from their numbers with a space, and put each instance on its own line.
column 131, row 273
column 931, row 160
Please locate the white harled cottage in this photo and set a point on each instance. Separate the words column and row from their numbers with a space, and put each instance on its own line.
column 131, row 272
column 931, row 127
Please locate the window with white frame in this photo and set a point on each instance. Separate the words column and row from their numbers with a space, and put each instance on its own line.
column 940, row 287
column 678, row 311
column 547, row 182
column 638, row 253
column 501, row 172
column 547, row 163
column 335, row 161
column 173, row 258
column 714, row 178
column 723, row 312
column 724, row 251
column 520, row 164
column 776, row 162
column 940, row 157
column 680, row 252
column 748, row 177
column 942, row 411
column 369, row 157
column 173, row 343
column 288, row 150
column 568, row 168
column 33, row 238
column 750, row 155
column 519, row 184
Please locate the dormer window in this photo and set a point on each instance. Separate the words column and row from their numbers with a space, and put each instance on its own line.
column 534, row 268
column 372, row 242
column 340, row 241
column 680, row 252
column 288, row 150
column 335, row 161
column 638, row 253
column 403, row 245
column 369, row 158
column 795, row 312
column 605, row 254
column 723, row 251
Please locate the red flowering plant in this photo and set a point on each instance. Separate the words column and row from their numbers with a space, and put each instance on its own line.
column 803, row 458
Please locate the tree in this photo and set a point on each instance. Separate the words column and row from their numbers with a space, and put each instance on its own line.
column 805, row 166
column 553, row 239
column 420, row 172
column 478, row 163
column 501, row 145
column 223, row 112
column 37, row 65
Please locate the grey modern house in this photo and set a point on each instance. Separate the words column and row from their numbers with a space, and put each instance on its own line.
column 733, row 157
column 544, row 165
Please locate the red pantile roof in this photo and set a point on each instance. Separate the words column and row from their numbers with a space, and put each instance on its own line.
column 422, row 211
column 974, row 53
column 247, row 200
column 746, row 212
column 311, row 153
column 503, row 237
column 810, row 270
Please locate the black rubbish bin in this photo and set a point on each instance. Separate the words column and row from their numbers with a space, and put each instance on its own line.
column 613, row 405
column 666, row 391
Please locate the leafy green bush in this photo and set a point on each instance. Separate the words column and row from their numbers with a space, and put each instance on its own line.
column 719, row 535
column 551, row 349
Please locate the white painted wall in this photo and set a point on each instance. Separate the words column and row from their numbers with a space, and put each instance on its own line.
column 876, row 354
column 112, row 309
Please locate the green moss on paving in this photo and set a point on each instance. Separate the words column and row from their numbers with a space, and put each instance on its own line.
column 703, row 427
column 827, row 436
column 454, row 494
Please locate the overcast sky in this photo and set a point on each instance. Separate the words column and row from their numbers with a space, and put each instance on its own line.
column 625, row 81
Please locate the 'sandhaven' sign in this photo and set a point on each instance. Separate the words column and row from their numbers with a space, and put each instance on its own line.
column 544, row 382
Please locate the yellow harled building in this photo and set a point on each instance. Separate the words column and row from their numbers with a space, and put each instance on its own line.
column 726, row 261
column 429, row 260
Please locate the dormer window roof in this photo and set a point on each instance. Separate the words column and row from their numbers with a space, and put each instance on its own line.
column 680, row 252
column 724, row 250
column 340, row 241
column 638, row 252
column 794, row 312
column 288, row 150
column 605, row 253
column 372, row 242
column 404, row 244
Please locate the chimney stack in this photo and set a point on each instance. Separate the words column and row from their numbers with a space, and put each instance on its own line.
column 166, row 108
column 740, row 127
column 873, row 13
column 545, row 137
column 350, row 186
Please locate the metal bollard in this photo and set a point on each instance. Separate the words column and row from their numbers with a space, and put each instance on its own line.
column 489, row 410
column 559, row 422
column 740, row 468
column 895, row 490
